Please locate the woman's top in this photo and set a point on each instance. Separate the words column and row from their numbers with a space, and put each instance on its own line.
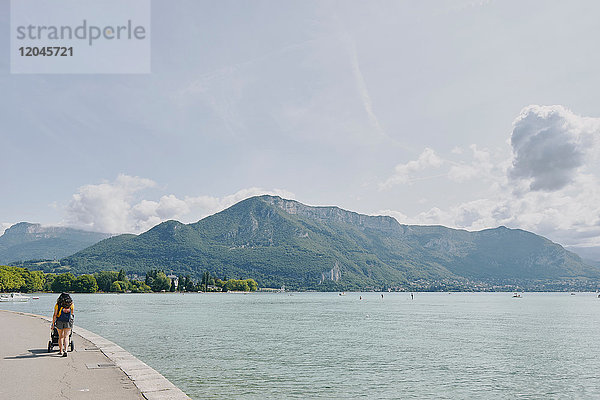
column 64, row 314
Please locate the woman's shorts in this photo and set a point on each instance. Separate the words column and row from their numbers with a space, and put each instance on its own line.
column 63, row 324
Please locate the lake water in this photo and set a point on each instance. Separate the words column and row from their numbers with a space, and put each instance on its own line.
column 322, row 345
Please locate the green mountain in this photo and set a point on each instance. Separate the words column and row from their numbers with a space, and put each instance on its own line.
column 278, row 241
column 25, row 241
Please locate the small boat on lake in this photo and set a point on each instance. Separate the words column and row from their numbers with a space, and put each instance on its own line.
column 15, row 297
column 517, row 295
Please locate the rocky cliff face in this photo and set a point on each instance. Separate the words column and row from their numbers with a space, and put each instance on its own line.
column 28, row 231
column 26, row 241
column 334, row 274
column 333, row 214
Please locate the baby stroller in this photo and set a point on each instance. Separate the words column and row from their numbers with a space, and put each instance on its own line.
column 54, row 340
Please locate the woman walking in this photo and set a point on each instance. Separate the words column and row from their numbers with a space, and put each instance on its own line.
column 63, row 321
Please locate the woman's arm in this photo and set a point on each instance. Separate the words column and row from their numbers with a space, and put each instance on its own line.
column 53, row 318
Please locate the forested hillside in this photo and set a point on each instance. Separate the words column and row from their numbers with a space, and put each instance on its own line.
column 278, row 241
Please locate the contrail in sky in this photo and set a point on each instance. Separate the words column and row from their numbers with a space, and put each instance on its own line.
column 362, row 86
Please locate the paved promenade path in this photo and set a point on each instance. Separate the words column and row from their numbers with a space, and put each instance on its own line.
column 97, row 369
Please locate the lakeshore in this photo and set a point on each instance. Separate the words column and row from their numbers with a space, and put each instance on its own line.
column 96, row 369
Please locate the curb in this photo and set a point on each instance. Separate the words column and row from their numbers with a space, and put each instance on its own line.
column 149, row 382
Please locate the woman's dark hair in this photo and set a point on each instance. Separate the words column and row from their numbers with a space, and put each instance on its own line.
column 64, row 300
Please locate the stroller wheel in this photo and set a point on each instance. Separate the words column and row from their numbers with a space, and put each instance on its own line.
column 49, row 346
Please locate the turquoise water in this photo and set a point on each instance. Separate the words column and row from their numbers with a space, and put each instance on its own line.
column 321, row 345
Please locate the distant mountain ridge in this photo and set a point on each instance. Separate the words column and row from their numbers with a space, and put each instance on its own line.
column 332, row 214
column 27, row 241
column 590, row 255
column 279, row 241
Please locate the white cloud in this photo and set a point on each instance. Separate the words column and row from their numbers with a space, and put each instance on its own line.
column 106, row 207
column 570, row 216
column 404, row 173
column 167, row 207
column 480, row 166
column 547, row 185
column 148, row 213
column 549, row 145
column 116, row 207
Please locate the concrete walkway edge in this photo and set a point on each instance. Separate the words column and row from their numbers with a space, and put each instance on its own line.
column 150, row 383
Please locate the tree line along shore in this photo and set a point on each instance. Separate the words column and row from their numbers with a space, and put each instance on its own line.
column 16, row 279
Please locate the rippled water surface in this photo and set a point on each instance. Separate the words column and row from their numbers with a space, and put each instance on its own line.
column 322, row 345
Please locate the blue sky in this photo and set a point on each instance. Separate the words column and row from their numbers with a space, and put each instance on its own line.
column 470, row 114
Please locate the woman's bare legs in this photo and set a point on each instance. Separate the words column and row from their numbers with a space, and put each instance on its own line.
column 66, row 333
column 61, row 336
